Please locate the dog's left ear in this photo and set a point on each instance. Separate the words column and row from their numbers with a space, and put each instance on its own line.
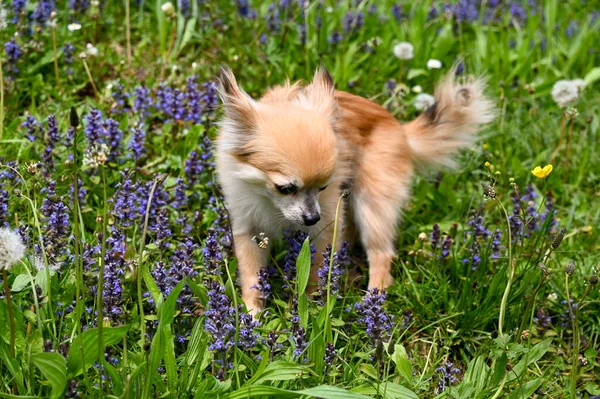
column 320, row 93
column 239, row 106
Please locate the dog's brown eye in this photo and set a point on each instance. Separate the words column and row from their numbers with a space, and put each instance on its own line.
column 322, row 188
column 287, row 189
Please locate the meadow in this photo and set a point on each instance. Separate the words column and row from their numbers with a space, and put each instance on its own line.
column 118, row 278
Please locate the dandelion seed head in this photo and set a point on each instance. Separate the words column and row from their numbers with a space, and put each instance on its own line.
column 404, row 51
column 12, row 248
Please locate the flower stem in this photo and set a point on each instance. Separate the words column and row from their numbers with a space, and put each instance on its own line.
column 333, row 241
column 90, row 78
column 11, row 315
column 100, row 300
column 128, row 32
column 511, row 266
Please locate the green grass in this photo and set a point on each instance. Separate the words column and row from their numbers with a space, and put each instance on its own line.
column 444, row 310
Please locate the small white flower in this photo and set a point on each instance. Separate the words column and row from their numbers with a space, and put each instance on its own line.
column 96, row 155
column 74, row 26
column 565, row 92
column 194, row 65
column 423, row 101
column 329, row 9
column 12, row 248
column 553, row 297
column 434, row 64
column 91, row 50
column 417, row 89
column 168, row 9
column 404, row 51
column 3, row 19
column 95, row 3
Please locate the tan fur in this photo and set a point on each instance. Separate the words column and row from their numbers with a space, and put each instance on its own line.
column 314, row 136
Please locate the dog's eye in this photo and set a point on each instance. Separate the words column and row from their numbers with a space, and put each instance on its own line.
column 287, row 189
column 322, row 188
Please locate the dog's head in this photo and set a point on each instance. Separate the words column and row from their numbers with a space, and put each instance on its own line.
column 285, row 142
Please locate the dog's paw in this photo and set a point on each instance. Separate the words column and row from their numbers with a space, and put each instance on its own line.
column 380, row 281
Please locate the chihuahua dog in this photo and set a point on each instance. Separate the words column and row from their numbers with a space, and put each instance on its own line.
column 284, row 160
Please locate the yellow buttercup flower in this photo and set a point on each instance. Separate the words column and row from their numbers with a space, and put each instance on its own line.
column 542, row 173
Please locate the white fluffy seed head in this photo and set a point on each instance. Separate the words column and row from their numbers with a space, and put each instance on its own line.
column 434, row 64
column 12, row 248
column 404, row 51
column 565, row 92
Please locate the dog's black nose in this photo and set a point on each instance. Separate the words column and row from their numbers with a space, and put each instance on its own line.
column 311, row 219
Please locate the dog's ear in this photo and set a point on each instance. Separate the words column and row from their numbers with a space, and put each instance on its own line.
column 240, row 108
column 319, row 95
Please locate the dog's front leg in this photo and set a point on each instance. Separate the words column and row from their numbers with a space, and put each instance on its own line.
column 251, row 259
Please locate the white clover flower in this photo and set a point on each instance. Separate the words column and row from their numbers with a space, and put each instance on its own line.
column 434, row 64
column 96, row 155
column 565, row 92
column 423, row 101
column 91, row 50
column 404, row 51
column 74, row 26
column 553, row 297
column 417, row 89
column 168, row 9
column 12, row 248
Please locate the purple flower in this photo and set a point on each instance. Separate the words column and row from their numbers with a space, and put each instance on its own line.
column 185, row 8
column 448, row 376
column 497, row 245
column 263, row 285
column 272, row 343
column 18, row 8
column 373, row 316
column 353, row 21
column 435, row 236
column 571, row 29
column 79, row 6
column 222, row 224
column 41, row 14
column 397, row 12
column 341, row 261
column 210, row 100
column 542, row 319
column 120, row 98
column 433, row 13
column 136, row 144
column 330, row 354
column 162, row 228
column 126, row 202
column 193, row 168
column 517, row 11
column 193, row 101
column 33, row 128
column 4, row 212
column 142, row 101
column 466, row 11
column 13, row 52
column 220, row 318
column 170, row 102
column 114, row 136
column 51, row 138
column 94, row 128
column 55, row 223
column 245, row 10
column 114, row 270
column 294, row 242
column 446, row 246
column 68, row 50
column 248, row 337
column 212, row 253
column 335, row 38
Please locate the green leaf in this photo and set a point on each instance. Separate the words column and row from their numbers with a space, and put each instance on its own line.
column 369, row 370
column 532, row 356
column 499, row 369
column 13, row 366
column 322, row 391
column 21, row 281
column 282, row 371
column 151, row 284
column 303, row 267
column 169, row 358
column 525, row 390
column 303, row 309
column 330, row 392
column 54, row 368
column 387, row 390
column 592, row 76
column 89, row 339
column 167, row 314
column 402, row 363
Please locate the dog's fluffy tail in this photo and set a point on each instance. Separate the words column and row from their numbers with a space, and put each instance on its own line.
column 451, row 123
